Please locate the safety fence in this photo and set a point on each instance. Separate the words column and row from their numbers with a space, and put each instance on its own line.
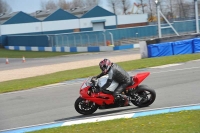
column 120, row 36
column 101, row 38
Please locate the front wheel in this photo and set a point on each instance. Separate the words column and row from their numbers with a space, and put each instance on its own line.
column 144, row 96
column 85, row 107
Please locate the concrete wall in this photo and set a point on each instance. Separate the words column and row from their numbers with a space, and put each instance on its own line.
column 50, row 26
column 10, row 29
column 131, row 19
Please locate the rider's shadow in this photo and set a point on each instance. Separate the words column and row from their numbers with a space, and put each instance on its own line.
column 107, row 112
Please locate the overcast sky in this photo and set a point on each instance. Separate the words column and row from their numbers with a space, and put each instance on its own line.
column 30, row 6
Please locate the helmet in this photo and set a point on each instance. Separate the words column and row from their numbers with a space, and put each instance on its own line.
column 105, row 65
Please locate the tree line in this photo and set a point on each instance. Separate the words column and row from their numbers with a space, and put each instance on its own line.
column 4, row 7
column 170, row 8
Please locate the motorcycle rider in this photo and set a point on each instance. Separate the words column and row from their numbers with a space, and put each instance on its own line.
column 116, row 73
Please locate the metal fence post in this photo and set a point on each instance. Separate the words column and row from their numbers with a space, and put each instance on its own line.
column 74, row 40
column 158, row 17
column 96, row 39
column 52, row 44
column 88, row 39
column 111, row 35
column 104, row 38
column 48, row 40
column 196, row 16
column 62, row 41
column 67, row 41
column 80, row 39
column 56, row 41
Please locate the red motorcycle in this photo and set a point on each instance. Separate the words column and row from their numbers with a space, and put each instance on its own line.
column 89, row 100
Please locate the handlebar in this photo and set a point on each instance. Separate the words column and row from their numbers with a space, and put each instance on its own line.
column 94, row 80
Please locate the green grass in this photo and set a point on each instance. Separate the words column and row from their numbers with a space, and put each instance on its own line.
column 16, row 85
column 179, row 122
column 23, row 84
column 29, row 54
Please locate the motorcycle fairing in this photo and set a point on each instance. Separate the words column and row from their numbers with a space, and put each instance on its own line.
column 98, row 98
column 102, row 98
column 138, row 78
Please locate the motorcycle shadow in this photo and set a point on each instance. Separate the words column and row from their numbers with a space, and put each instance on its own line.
column 103, row 112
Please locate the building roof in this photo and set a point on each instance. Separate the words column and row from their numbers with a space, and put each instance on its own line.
column 97, row 11
column 60, row 14
column 5, row 16
column 19, row 18
column 78, row 12
column 42, row 14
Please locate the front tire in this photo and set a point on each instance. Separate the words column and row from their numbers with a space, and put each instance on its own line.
column 85, row 107
column 144, row 96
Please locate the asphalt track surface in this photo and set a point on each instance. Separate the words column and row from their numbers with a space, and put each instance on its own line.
column 175, row 86
column 31, row 62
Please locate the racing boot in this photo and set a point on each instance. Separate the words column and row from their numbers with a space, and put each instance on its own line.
column 126, row 101
column 122, row 100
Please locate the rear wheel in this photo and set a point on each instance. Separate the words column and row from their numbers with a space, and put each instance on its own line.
column 144, row 96
column 85, row 107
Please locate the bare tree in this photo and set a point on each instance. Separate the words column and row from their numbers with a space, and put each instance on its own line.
column 91, row 2
column 126, row 5
column 77, row 3
column 198, row 8
column 143, row 4
column 170, row 8
column 151, row 8
column 49, row 5
column 183, row 8
column 64, row 5
column 4, row 7
column 114, row 5
column 84, row 3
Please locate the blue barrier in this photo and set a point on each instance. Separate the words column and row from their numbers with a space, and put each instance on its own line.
column 174, row 48
column 183, row 47
column 161, row 49
column 28, row 40
column 128, row 46
column 196, row 45
column 73, row 49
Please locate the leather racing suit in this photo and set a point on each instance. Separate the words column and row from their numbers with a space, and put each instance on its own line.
column 120, row 76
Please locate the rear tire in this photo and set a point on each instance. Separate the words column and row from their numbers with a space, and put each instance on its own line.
column 85, row 108
column 145, row 96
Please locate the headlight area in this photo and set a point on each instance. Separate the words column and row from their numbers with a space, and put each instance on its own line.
column 85, row 91
column 83, row 86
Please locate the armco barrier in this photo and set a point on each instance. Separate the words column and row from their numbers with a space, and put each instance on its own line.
column 74, row 49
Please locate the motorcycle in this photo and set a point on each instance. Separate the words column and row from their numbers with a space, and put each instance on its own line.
column 89, row 100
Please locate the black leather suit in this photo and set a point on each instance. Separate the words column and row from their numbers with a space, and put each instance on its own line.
column 119, row 75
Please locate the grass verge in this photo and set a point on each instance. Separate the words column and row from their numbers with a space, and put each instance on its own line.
column 16, row 85
column 30, row 54
column 179, row 122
